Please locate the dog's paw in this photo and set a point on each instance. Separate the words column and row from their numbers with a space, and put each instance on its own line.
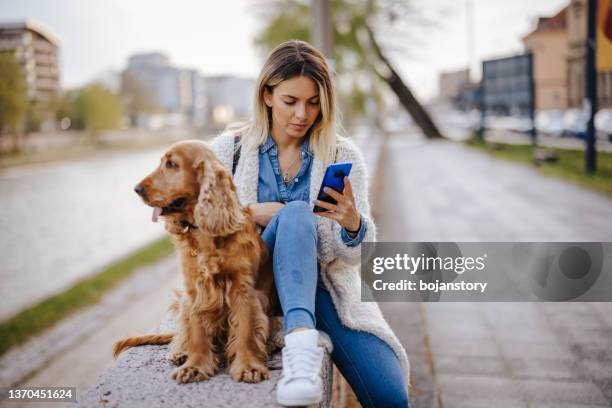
column 177, row 358
column 249, row 373
column 189, row 373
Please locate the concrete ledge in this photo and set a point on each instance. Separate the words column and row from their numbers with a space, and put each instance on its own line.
column 141, row 378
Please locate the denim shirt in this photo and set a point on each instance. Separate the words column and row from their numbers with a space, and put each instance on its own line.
column 271, row 186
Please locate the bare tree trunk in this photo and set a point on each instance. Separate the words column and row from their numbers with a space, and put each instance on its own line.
column 397, row 85
column 16, row 136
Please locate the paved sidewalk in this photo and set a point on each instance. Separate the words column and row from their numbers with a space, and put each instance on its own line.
column 74, row 352
column 495, row 354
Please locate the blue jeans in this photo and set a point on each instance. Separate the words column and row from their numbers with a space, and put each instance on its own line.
column 366, row 362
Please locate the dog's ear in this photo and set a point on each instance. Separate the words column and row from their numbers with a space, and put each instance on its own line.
column 218, row 210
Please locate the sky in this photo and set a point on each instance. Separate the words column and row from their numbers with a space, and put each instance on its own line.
column 216, row 37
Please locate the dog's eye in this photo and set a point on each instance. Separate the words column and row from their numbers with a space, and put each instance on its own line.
column 170, row 164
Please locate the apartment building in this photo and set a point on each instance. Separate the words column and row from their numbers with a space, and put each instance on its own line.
column 576, row 60
column 37, row 51
column 549, row 45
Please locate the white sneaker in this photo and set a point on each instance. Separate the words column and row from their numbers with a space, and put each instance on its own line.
column 300, row 382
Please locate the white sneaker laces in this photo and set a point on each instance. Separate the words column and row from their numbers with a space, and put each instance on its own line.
column 302, row 363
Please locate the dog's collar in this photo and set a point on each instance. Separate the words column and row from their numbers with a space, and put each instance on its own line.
column 187, row 226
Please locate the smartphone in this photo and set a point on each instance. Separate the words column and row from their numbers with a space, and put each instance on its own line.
column 334, row 178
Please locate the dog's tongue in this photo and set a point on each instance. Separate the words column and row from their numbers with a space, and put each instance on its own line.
column 156, row 213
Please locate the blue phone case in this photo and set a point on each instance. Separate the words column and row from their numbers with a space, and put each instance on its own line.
column 334, row 178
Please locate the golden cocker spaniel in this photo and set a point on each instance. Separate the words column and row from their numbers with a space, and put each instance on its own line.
column 228, row 284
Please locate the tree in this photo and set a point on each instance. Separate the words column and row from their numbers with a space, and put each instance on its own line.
column 36, row 113
column 13, row 98
column 62, row 106
column 361, row 61
column 97, row 109
column 66, row 106
column 137, row 97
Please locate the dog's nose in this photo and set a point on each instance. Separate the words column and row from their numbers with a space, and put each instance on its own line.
column 139, row 190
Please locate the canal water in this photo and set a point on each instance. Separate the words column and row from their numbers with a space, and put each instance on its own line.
column 62, row 222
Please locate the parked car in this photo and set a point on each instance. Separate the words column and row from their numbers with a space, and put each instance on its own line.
column 574, row 123
column 550, row 122
column 603, row 124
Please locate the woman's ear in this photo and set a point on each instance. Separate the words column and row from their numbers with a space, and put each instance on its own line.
column 267, row 95
column 218, row 210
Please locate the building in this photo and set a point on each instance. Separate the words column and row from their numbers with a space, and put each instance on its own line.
column 452, row 84
column 198, row 111
column 549, row 45
column 229, row 99
column 576, row 60
column 177, row 92
column 213, row 101
column 37, row 51
column 169, row 86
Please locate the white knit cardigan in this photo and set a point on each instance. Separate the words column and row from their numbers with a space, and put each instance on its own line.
column 339, row 262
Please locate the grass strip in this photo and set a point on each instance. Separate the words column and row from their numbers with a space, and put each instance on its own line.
column 48, row 312
column 570, row 165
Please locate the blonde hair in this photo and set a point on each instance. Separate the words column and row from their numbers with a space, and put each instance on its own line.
column 288, row 60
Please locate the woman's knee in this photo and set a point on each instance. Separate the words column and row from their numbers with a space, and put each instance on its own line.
column 297, row 212
column 297, row 207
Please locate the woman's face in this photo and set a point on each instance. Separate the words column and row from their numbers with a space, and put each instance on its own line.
column 295, row 106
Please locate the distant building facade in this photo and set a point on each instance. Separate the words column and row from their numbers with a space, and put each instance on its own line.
column 576, row 60
column 549, row 45
column 229, row 98
column 212, row 102
column 37, row 52
column 198, row 110
column 168, row 85
column 174, row 90
column 452, row 84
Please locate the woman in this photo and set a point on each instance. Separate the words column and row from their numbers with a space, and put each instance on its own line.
column 283, row 155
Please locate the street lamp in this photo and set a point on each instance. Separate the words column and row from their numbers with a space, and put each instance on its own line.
column 590, row 103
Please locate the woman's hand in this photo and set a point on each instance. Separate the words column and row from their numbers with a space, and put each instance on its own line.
column 264, row 212
column 345, row 212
